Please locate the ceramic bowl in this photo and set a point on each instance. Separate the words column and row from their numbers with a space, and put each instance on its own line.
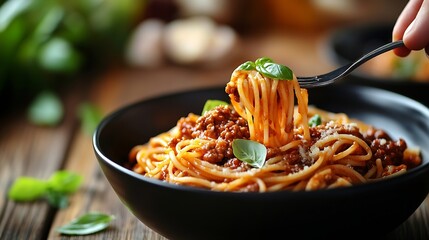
column 181, row 212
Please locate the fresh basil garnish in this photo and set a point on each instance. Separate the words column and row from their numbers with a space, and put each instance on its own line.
column 315, row 120
column 55, row 190
column 87, row 224
column 249, row 151
column 268, row 68
column 249, row 65
column 210, row 104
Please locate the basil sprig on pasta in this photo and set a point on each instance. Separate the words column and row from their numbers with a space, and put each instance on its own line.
column 212, row 103
column 250, row 152
column 315, row 120
column 267, row 67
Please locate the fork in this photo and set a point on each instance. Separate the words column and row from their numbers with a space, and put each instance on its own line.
column 330, row 77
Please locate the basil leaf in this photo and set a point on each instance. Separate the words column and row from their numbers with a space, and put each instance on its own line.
column 249, row 65
column 57, row 199
column 275, row 71
column 87, row 224
column 210, row 104
column 27, row 189
column 261, row 61
column 64, row 182
column 249, row 151
column 46, row 109
column 268, row 68
column 315, row 120
column 90, row 116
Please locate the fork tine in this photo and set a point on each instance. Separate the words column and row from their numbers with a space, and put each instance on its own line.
column 343, row 71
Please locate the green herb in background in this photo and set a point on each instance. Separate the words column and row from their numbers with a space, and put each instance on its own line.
column 249, row 151
column 64, row 182
column 210, row 104
column 56, row 189
column 57, row 55
column 43, row 43
column 46, row 109
column 27, row 189
column 87, row 224
column 90, row 116
column 405, row 67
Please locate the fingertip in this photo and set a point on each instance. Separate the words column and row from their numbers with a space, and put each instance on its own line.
column 402, row 52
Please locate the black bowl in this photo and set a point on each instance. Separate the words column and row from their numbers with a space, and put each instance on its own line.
column 351, row 42
column 180, row 212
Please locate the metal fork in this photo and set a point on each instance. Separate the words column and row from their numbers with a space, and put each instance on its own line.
column 330, row 77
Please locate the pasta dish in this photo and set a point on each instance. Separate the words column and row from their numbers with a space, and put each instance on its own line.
column 268, row 138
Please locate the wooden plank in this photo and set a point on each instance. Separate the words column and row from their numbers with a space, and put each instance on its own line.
column 416, row 226
column 113, row 90
column 28, row 150
column 96, row 193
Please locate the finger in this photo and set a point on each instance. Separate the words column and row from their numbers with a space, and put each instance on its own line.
column 406, row 18
column 416, row 36
column 402, row 52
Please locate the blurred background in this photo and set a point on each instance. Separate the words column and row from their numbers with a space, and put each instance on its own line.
column 46, row 46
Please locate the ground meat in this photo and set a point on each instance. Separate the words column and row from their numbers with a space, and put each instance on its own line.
column 382, row 145
column 221, row 126
column 390, row 152
column 231, row 89
column 374, row 133
column 186, row 126
column 235, row 163
column 330, row 128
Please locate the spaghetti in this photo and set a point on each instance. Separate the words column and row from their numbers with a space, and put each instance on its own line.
column 335, row 152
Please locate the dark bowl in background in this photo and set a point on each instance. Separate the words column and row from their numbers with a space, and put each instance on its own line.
column 181, row 212
column 349, row 43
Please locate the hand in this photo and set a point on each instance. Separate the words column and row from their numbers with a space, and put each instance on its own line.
column 412, row 26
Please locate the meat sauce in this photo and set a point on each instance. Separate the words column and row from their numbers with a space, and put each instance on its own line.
column 223, row 124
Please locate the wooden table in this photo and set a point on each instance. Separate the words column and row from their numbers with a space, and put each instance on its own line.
column 39, row 151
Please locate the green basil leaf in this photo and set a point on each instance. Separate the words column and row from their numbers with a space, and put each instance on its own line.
column 261, row 61
column 268, row 68
column 249, row 65
column 27, row 189
column 57, row 199
column 90, row 116
column 210, row 104
column 249, row 151
column 64, row 182
column 46, row 109
column 87, row 224
column 275, row 71
column 315, row 120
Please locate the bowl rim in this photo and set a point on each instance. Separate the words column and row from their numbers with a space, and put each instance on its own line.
column 355, row 189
